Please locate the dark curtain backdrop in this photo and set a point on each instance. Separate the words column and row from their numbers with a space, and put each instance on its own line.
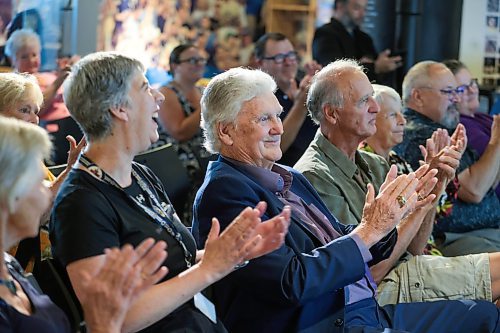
column 416, row 29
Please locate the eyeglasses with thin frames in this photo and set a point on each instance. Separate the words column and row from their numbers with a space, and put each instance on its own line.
column 281, row 57
column 472, row 84
column 194, row 61
column 448, row 92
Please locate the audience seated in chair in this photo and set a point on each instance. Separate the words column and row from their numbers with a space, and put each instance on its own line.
column 431, row 97
column 483, row 130
column 108, row 200
column 24, row 199
column 319, row 280
column 341, row 101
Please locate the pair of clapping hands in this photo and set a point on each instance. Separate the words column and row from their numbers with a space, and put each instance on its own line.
column 443, row 153
column 127, row 272
column 401, row 195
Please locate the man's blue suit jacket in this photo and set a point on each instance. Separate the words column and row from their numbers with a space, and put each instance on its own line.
column 297, row 288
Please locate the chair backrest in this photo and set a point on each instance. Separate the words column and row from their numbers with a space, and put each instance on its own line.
column 57, row 169
column 58, row 130
column 165, row 163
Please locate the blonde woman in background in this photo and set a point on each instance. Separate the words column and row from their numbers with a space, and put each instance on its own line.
column 22, row 98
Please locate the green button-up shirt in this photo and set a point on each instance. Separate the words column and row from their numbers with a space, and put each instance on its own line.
column 340, row 182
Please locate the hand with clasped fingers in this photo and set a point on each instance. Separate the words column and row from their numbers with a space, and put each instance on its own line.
column 246, row 238
column 124, row 274
column 444, row 153
column 397, row 198
column 440, row 140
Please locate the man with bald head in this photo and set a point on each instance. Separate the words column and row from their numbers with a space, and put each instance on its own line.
column 430, row 96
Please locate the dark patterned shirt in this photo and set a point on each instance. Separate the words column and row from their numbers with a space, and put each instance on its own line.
column 462, row 216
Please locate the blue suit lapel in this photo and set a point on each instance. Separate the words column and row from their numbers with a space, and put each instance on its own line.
column 275, row 205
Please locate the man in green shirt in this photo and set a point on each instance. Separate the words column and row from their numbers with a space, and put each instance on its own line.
column 341, row 101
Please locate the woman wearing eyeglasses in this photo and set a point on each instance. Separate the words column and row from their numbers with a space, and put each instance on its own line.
column 180, row 112
column 179, row 115
column 483, row 130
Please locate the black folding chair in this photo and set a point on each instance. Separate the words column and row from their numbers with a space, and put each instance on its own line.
column 165, row 163
column 58, row 130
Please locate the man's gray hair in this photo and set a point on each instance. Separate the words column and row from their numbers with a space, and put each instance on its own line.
column 224, row 97
column 418, row 76
column 22, row 146
column 19, row 39
column 326, row 87
column 97, row 83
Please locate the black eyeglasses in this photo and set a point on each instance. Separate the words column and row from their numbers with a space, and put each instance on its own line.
column 281, row 57
column 472, row 84
column 194, row 61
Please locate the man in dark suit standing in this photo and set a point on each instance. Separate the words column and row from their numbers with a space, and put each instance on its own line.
column 319, row 280
column 343, row 38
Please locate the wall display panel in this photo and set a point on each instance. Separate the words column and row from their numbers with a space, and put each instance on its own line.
column 150, row 29
column 480, row 41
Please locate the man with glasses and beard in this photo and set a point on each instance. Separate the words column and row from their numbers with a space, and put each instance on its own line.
column 431, row 98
